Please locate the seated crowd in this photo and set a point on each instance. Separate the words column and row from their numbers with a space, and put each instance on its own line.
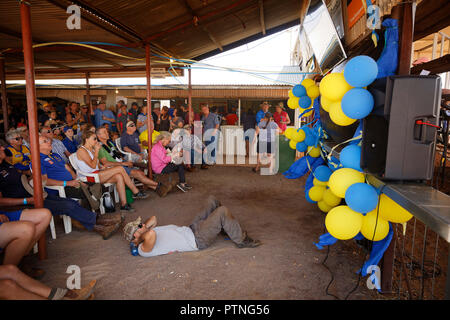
column 75, row 156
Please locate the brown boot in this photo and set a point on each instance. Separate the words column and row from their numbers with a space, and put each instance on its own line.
column 106, row 231
column 108, row 219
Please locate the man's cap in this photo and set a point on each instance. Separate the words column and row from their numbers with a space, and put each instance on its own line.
column 130, row 228
column 67, row 128
column 130, row 123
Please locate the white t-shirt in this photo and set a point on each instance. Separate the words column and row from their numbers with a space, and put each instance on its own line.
column 171, row 238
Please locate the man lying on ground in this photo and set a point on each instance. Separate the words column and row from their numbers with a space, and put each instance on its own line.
column 154, row 241
column 15, row 285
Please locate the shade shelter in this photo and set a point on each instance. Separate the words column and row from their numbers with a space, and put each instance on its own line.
column 86, row 39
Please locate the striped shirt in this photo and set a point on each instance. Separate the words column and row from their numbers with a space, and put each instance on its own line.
column 59, row 148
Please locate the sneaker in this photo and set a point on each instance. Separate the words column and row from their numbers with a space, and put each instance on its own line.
column 181, row 187
column 126, row 208
column 186, row 186
column 248, row 243
column 204, row 166
column 140, row 195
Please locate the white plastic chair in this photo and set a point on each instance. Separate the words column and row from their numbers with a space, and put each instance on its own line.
column 84, row 175
column 119, row 147
column 66, row 219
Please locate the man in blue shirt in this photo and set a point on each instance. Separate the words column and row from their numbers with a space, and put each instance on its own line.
column 102, row 115
column 129, row 142
column 260, row 114
column 211, row 124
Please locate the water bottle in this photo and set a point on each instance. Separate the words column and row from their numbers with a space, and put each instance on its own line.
column 134, row 249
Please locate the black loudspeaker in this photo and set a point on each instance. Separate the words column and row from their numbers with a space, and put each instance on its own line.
column 399, row 136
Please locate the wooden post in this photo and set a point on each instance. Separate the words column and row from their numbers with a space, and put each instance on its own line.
column 4, row 97
column 403, row 13
column 149, row 108
column 189, row 95
column 28, row 60
column 88, row 97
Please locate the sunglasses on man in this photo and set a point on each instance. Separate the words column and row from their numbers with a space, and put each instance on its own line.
column 18, row 138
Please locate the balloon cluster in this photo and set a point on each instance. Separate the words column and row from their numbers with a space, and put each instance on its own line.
column 344, row 96
column 302, row 96
column 365, row 210
column 303, row 140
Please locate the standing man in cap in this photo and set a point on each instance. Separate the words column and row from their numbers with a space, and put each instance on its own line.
column 123, row 116
column 260, row 114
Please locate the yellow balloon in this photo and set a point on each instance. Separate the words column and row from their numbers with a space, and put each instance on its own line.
column 343, row 178
column 330, row 198
column 343, row 223
column 338, row 116
column 293, row 103
column 319, row 183
column 316, row 193
column 289, row 132
column 372, row 229
column 308, row 83
column 323, row 206
column 313, row 92
column 293, row 144
column 298, row 136
column 391, row 211
column 291, row 94
column 314, row 151
column 333, row 86
column 326, row 103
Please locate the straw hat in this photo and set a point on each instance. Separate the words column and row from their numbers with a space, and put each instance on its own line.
column 28, row 185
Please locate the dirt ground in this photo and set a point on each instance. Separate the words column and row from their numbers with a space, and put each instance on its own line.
column 271, row 208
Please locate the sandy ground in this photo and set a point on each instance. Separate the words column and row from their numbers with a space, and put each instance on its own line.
column 271, row 208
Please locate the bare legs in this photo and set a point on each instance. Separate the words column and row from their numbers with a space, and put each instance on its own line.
column 15, row 285
column 138, row 174
column 118, row 176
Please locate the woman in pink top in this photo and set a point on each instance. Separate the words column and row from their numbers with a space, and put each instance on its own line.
column 281, row 117
column 162, row 163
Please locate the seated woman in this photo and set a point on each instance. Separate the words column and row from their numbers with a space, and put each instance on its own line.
column 87, row 161
column 162, row 163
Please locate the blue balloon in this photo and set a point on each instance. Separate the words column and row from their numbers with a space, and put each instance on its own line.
column 301, row 146
column 304, row 102
column 322, row 173
column 299, row 91
column 310, row 139
column 350, row 157
column 360, row 71
column 357, row 103
column 361, row 197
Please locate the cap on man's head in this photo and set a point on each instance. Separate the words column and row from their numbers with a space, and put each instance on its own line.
column 130, row 124
column 130, row 228
column 67, row 128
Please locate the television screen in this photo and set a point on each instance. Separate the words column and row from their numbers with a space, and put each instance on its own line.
column 322, row 36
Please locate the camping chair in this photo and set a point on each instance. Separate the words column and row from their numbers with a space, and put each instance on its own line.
column 119, row 147
column 94, row 177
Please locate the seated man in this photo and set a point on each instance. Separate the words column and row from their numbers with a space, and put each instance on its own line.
column 58, row 173
column 57, row 145
column 14, row 285
column 129, row 141
column 154, row 241
column 15, row 191
column 109, row 156
column 19, row 231
column 17, row 154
